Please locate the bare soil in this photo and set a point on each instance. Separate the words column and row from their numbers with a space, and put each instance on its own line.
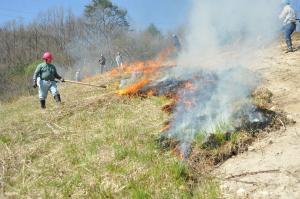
column 270, row 168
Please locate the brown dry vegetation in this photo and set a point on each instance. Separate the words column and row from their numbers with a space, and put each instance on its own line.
column 98, row 144
column 101, row 145
column 95, row 145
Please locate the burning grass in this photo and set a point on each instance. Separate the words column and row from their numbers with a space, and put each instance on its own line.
column 202, row 150
column 183, row 135
column 146, row 67
column 204, row 153
column 141, row 73
column 97, row 145
column 102, row 145
column 134, row 88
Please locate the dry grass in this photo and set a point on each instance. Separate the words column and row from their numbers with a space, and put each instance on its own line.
column 262, row 97
column 95, row 145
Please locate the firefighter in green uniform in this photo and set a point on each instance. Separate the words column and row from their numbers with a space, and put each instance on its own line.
column 44, row 77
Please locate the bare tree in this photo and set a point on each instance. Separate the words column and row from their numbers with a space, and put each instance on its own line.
column 105, row 22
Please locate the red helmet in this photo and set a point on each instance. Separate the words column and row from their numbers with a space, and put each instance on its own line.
column 47, row 56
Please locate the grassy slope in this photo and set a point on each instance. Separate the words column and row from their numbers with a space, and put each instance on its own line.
column 96, row 145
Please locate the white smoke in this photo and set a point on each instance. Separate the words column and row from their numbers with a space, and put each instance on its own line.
column 86, row 58
column 217, row 24
column 222, row 42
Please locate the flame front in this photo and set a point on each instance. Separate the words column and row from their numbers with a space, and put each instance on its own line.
column 147, row 69
column 134, row 88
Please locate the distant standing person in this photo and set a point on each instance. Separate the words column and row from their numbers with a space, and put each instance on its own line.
column 77, row 75
column 288, row 16
column 102, row 63
column 176, row 42
column 119, row 60
column 44, row 77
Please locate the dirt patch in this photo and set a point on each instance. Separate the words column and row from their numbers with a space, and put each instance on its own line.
column 270, row 167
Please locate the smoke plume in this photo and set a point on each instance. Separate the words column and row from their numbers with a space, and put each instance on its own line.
column 223, row 39
column 214, row 25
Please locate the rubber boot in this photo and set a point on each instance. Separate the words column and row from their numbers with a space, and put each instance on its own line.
column 289, row 45
column 57, row 98
column 43, row 104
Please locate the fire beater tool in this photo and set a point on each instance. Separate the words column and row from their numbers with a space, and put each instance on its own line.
column 86, row 84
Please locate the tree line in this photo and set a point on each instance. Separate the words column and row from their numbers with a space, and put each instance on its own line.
column 103, row 28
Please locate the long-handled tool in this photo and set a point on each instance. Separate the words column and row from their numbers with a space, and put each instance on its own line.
column 86, row 84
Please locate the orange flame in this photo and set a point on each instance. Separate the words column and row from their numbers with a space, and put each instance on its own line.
column 151, row 93
column 113, row 72
column 146, row 68
column 149, row 66
column 178, row 153
column 132, row 89
column 167, row 127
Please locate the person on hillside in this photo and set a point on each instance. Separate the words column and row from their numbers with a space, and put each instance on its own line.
column 176, row 42
column 119, row 60
column 77, row 75
column 44, row 77
column 288, row 17
column 102, row 61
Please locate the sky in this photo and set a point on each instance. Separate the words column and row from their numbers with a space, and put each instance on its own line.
column 29, row 9
column 165, row 14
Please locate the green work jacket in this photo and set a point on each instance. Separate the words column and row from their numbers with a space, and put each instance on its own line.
column 46, row 72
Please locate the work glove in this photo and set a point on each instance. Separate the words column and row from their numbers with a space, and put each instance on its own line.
column 34, row 85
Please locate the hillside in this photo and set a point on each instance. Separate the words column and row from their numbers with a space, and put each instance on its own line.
column 95, row 145
column 100, row 145
column 270, row 169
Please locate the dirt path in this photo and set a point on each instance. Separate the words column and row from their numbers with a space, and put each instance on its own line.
column 271, row 167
